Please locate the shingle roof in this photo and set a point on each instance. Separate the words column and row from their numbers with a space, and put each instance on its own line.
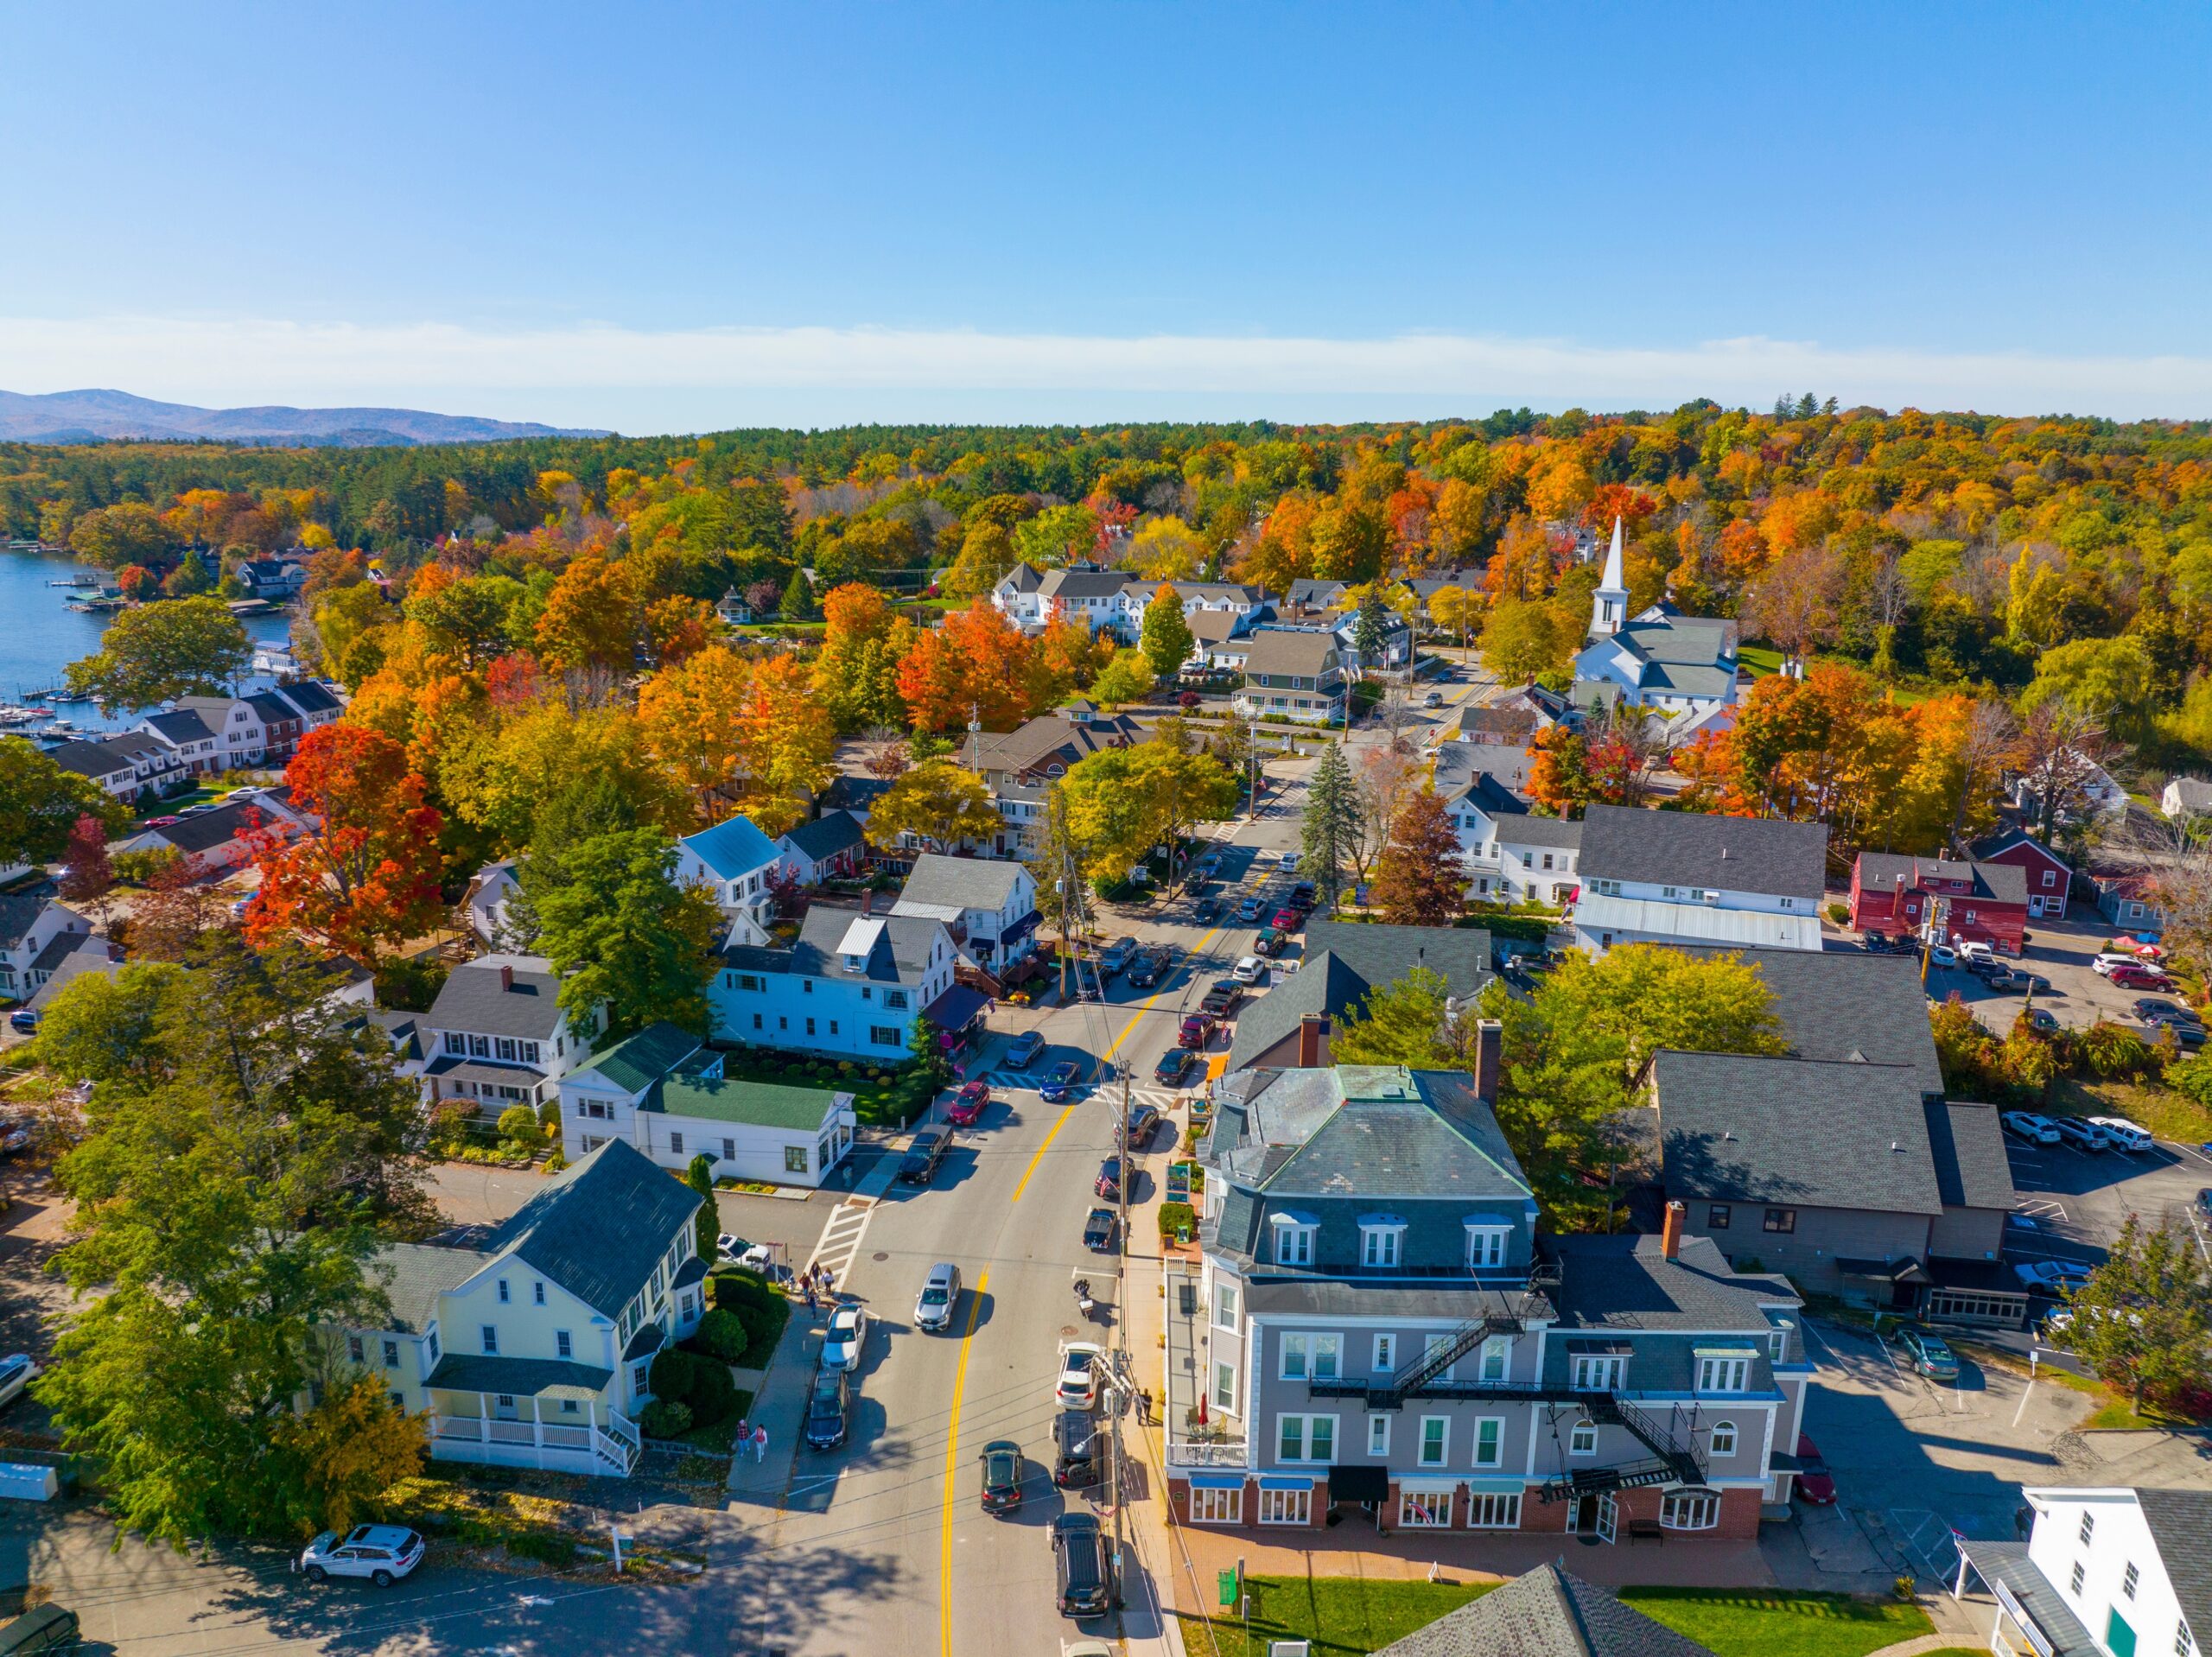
column 847, row 792
column 310, row 697
column 1459, row 762
column 414, row 1275
column 2181, row 1524
column 600, row 1225
column 732, row 849
column 898, row 953
column 19, row 912
column 635, row 1064
column 1556, row 834
column 751, row 1104
column 1276, row 650
column 2004, row 839
column 94, row 758
column 472, row 998
column 1736, row 1127
column 1307, row 592
column 826, row 836
column 212, row 828
column 1626, row 1281
column 960, row 882
column 88, row 955
column 1548, row 1612
column 272, row 708
column 1971, row 1167
column 1049, row 737
column 1836, row 1004
column 1345, row 962
column 1082, row 584
column 1384, row 1130
column 1999, row 882
column 179, row 724
column 516, row 1377
column 1761, row 854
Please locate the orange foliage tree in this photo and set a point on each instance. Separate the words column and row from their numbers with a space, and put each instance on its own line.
column 976, row 660
column 590, row 619
column 364, row 871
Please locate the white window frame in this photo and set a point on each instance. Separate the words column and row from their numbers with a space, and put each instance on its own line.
column 1386, row 1354
column 1700, row 1507
column 1724, row 1372
column 1213, row 1505
column 1286, row 1507
column 1495, row 1367
column 1307, row 1440
column 1293, row 1241
column 1486, row 1241
column 1328, row 1361
column 1428, row 1345
column 1224, row 1305
column 1498, row 1442
column 1293, row 1358
column 1493, row 1510
column 1382, row 1245
column 1597, row 1372
column 1582, row 1438
column 1425, row 1510
column 1225, row 1385
column 1378, row 1433
column 1434, row 1448
column 1724, row 1438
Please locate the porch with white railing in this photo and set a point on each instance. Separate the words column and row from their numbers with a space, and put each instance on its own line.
column 1199, row 1435
column 605, row 1442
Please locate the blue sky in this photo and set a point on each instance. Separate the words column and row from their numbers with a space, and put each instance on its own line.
column 668, row 218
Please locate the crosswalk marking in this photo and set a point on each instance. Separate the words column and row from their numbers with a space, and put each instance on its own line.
column 1005, row 1082
column 841, row 1238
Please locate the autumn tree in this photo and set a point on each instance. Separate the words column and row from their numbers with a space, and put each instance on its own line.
column 364, row 870
column 87, row 877
column 938, row 801
column 1167, row 640
column 975, row 662
column 1794, row 605
column 1167, row 550
column 41, row 805
column 1457, row 609
column 1127, row 678
column 1419, row 879
column 158, row 652
column 590, row 619
column 855, row 617
column 1521, row 640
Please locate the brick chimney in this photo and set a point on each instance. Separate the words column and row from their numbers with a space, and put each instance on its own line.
column 1312, row 1041
column 1670, row 1232
column 506, row 976
column 867, row 901
column 1490, row 1059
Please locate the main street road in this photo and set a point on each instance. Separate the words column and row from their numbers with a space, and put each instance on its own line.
column 898, row 1503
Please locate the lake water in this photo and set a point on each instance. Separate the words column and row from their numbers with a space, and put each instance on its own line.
column 39, row 635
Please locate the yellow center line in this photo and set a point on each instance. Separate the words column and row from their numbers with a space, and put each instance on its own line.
column 952, row 1467
column 1143, row 1007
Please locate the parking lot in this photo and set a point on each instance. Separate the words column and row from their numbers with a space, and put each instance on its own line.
column 2072, row 1203
column 2060, row 952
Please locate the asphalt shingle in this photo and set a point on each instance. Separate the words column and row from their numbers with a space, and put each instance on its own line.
column 600, row 1225
column 1548, row 1612
column 1687, row 848
column 2181, row 1524
column 475, row 998
column 1839, row 1005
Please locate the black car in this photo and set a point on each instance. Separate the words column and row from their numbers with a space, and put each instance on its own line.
column 1206, row 910
column 1099, row 1230
column 1302, row 896
column 1270, row 943
column 1075, row 1450
column 918, row 1166
column 1109, row 1182
column 1173, row 1063
column 1002, row 1460
column 1221, row 998
column 1151, row 967
column 829, row 1409
column 1137, row 1127
column 1083, row 1566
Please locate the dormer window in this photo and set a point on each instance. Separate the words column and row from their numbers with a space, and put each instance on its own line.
column 1486, row 1244
column 1293, row 1240
column 1382, row 1242
column 1723, row 1372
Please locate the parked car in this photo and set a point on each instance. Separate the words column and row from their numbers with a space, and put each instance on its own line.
column 2204, row 1202
column 383, row 1554
column 2042, row 1018
column 1270, row 943
column 846, row 1336
column 1196, row 1030
column 2082, row 1136
column 1248, row 909
column 1303, row 897
column 940, row 1294
column 1115, row 956
column 1174, row 1065
column 1815, row 1482
column 2049, row 1276
column 23, row 1018
column 1139, row 1125
column 55, row 1627
column 1075, row 1449
column 2111, row 961
column 1287, row 919
column 2027, row 1125
column 1083, row 1566
column 1942, row 955
column 1076, row 1387
column 1151, row 967
column 1249, row 970
column 1976, row 949
column 1059, row 1082
column 2123, row 1134
column 1109, row 1182
column 1435, row 699
column 168, row 822
column 2139, row 978
column 1098, row 1229
column 967, row 1107
column 1988, row 968
column 918, row 1166
column 1930, row 1356
column 1221, row 999
column 16, row 1372
column 829, row 1409
column 1002, row 1460
column 1288, row 862
column 2148, row 1008
column 1021, row 1052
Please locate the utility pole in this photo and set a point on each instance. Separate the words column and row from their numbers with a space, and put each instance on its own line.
column 1125, row 1392
column 974, row 735
column 1252, row 756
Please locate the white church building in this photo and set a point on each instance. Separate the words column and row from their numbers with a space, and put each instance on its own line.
column 1683, row 668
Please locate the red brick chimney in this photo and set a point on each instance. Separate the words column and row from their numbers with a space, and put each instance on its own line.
column 1670, row 1232
column 868, row 902
column 506, row 976
column 1312, row 1041
column 1490, row 1059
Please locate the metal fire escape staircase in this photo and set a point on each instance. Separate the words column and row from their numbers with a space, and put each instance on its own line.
column 1671, row 1461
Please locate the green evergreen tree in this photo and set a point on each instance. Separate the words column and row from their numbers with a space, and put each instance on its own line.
column 1329, row 831
column 799, row 598
column 700, row 1176
column 1370, row 631
column 2143, row 1319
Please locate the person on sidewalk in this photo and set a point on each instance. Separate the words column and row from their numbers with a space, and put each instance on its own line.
column 760, row 1444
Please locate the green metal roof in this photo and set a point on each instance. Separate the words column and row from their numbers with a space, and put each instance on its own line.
column 635, row 1064
column 752, row 1104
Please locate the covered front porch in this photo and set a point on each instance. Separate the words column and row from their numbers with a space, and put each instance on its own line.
column 530, row 1413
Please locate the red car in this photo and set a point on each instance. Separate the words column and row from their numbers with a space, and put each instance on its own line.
column 968, row 1105
column 1195, row 1029
column 2139, row 978
column 163, row 822
column 1815, row 1482
column 1287, row 920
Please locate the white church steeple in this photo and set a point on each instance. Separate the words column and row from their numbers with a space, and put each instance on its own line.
column 1609, row 604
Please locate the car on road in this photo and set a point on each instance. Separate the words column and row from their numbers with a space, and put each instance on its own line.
column 1815, row 1482
column 1139, row 1125
column 2027, row 1125
column 1221, row 998
column 1287, row 862
column 1929, row 1355
column 729, row 1246
column 940, row 1294
column 1098, row 1229
column 2123, row 1134
column 829, row 1409
column 1002, row 1460
column 1075, row 1449
column 1435, row 699
column 1288, row 918
column 55, row 1627
column 16, row 1372
column 1248, row 909
column 918, row 1166
column 966, row 1106
column 842, row 1341
column 1303, row 896
column 1249, row 970
column 1942, row 955
column 1196, row 1030
column 1083, row 1566
column 1021, row 1052
column 1076, row 1387
column 1109, row 1182
column 2042, row 1018
column 1116, row 955
column 1059, row 1081
column 169, row 821
column 23, row 1019
column 1271, row 943
column 383, row 1554
column 1207, row 911
column 2082, row 1136
column 2049, row 1276
column 1151, row 966
column 1174, row 1065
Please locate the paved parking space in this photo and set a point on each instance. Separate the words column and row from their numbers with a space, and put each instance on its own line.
column 2078, row 996
column 2073, row 1204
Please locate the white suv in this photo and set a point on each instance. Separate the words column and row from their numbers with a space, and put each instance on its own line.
column 2123, row 1134
column 383, row 1554
column 2037, row 1130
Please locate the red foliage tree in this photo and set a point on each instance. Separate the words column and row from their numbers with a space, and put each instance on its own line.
column 87, row 877
column 513, row 681
column 365, row 872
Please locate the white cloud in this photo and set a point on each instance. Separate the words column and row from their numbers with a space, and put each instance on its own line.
column 647, row 380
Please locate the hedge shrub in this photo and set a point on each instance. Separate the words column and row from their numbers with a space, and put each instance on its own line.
column 671, row 1372
column 733, row 1288
column 666, row 1417
column 722, row 1335
column 712, row 1394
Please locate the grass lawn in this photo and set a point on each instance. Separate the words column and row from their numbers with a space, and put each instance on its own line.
column 1762, row 659
column 1348, row 1615
column 2166, row 1113
column 1739, row 1622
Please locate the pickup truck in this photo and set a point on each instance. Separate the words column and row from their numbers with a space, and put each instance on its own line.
column 1151, row 966
column 1222, row 998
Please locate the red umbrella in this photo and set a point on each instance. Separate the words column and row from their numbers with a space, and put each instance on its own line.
column 1202, row 1409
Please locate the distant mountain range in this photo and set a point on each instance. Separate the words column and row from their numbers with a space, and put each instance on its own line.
column 91, row 417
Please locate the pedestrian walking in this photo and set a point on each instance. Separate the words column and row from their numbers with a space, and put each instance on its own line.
column 759, row 1443
column 1144, row 1406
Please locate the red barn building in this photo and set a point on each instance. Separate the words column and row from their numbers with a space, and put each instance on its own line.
column 2050, row 877
column 1895, row 895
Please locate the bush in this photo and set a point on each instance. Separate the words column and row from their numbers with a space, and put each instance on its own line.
column 518, row 1130
column 139, row 868
column 1177, row 1216
column 736, row 1289
column 410, row 985
column 2193, row 1076
column 721, row 1334
column 2111, row 1050
column 764, row 1326
column 665, row 1419
column 555, row 1163
column 712, row 1394
column 671, row 1372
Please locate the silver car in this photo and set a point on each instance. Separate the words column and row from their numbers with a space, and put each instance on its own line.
column 383, row 1554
